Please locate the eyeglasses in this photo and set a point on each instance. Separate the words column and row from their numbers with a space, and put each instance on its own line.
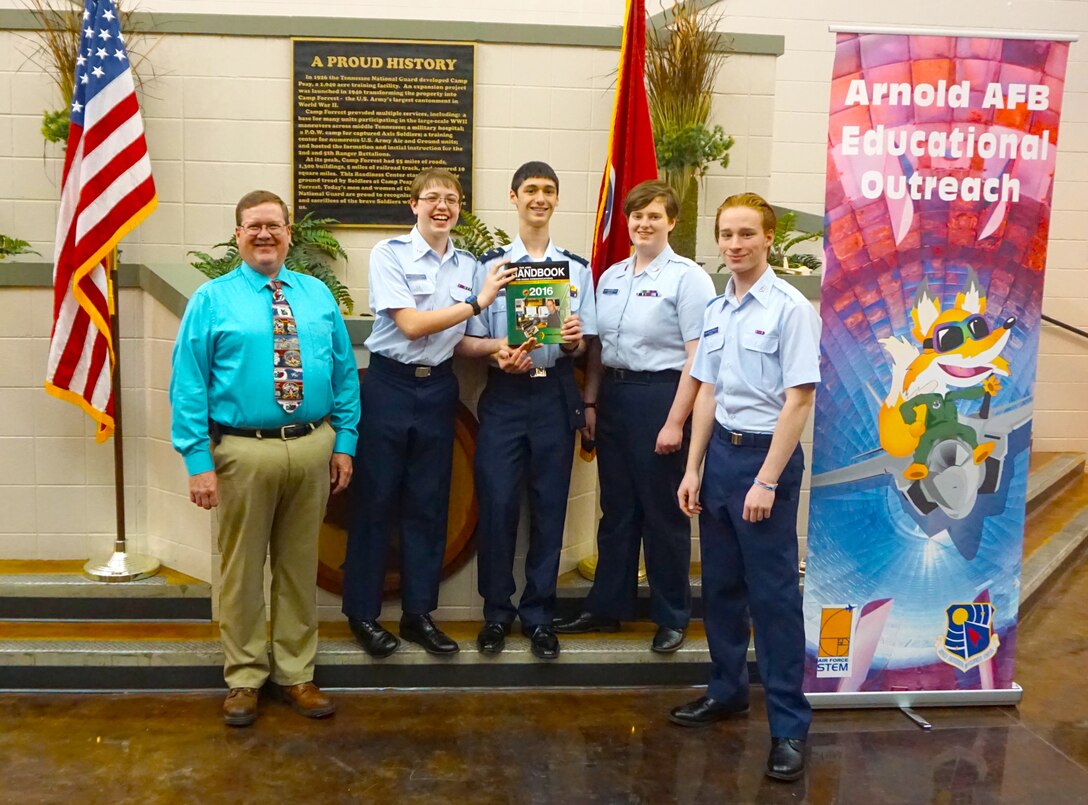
column 434, row 198
column 253, row 230
column 954, row 334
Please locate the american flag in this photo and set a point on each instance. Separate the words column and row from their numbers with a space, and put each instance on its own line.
column 106, row 191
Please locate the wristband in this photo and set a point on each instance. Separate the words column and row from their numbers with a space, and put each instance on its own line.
column 589, row 405
column 761, row 485
column 475, row 305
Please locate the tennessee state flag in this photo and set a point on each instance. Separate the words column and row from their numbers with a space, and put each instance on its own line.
column 631, row 156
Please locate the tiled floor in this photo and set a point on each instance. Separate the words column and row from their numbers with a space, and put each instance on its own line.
column 558, row 746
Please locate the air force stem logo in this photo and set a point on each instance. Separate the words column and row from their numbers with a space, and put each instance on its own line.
column 969, row 639
column 835, row 650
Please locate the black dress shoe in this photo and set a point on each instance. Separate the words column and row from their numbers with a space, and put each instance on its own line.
column 705, row 711
column 420, row 629
column 542, row 641
column 492, row 637
column 667, row 640
column 372, row 636
column 787, row 759
column 585, row 622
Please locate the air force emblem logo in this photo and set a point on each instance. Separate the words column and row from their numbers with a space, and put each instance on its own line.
column 835, row 649
column 969, row 638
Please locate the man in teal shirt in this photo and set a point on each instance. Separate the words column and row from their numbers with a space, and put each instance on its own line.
column 265, row 398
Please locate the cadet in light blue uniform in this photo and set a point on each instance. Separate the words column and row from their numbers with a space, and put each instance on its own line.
column 758, row 363
column 422, row 296
column 528, row 413
column 649, row 315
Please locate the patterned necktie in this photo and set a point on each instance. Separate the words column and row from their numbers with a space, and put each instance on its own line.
column 287, row 357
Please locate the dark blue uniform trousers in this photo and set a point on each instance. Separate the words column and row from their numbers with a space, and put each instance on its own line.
column 525, row 440
column 638, row 505
column 752, row 568
column 401, row 481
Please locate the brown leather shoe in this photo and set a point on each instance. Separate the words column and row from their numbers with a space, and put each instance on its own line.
column 306, row 699
column 240, row 707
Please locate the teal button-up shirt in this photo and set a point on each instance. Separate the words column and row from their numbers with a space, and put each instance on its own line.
column 223, row 362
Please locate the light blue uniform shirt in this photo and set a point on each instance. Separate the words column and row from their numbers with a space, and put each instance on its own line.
column 405, row 272
column 223, row 362
column 492, row 323
column 754, row 350
column 645, row 320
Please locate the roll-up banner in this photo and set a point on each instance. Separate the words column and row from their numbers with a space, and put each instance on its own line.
column 940, row 170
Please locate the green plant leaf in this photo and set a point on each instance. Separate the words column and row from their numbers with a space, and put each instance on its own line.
column 475, row 237
column 786, row 237
column 10, row 247
column 55, row 126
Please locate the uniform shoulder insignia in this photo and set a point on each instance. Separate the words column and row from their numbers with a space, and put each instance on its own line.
column 494, row 254
column 715, row 299
column 576, row 257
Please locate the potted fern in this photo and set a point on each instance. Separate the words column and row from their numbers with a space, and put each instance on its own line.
column 786, row 237
column 313, row 251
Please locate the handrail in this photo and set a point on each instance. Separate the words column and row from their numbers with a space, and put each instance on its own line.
column 1064, row 326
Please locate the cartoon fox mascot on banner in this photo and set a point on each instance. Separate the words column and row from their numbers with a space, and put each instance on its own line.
column 960, row 359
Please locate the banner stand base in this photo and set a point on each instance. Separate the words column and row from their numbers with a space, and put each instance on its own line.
column 906, row 699
column 917, row 718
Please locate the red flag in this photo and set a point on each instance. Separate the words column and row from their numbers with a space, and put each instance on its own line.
column 106, row 191
column 631, row 156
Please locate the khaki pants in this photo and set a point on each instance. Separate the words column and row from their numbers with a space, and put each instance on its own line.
column 272, row 496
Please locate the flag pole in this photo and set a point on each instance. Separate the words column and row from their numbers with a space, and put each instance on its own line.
column 120, row 565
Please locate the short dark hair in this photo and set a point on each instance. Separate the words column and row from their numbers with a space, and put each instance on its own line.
column 533, row 170
column 256, row 198
column 646, row 193
column 752, row 201
column 439, row 176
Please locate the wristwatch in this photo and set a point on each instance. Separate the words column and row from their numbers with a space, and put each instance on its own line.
column 475, row 305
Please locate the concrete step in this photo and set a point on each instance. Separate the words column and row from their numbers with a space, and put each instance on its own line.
column 42, row 590
column 59, row 631
column 573, row 588
column 1055, row 535
column 124, row 656
column 1049, row 474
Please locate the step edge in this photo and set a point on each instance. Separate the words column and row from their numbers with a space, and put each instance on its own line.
column 1048, row 480
column 1045, row 564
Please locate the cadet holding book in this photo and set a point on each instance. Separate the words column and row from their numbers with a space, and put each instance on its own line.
column 528, row 414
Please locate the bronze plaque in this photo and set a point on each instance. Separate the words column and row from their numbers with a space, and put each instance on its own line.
column 371, row 114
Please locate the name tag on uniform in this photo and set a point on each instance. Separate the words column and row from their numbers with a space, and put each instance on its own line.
column 648, row 293
column 710, row 332
column 610, row 291
column 415, row 276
